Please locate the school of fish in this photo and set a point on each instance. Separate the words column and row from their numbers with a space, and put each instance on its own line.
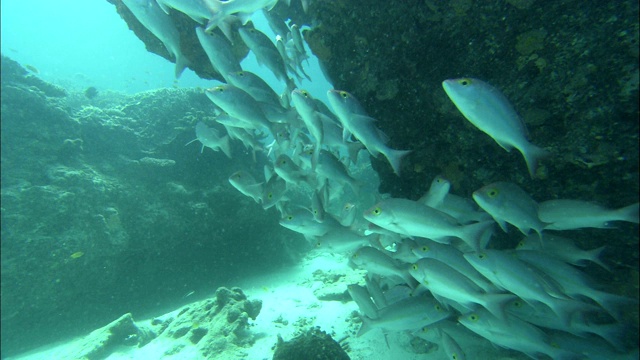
column 431, row 268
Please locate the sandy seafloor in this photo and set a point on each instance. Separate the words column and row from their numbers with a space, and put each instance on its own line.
column 289, row 295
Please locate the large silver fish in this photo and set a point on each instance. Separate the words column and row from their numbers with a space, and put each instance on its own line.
column 240, row 8
column 377, row 262
column 509, row 273
column 255, row 86
column 562, row 214
column 409, row 314
column 306, row 106
column 562, row 248
column 411, row 218
column 355, row 121
column 240, row 105
column 159, row 24
column 490, row 111
column 265, row 51
column 443, row 280
column 508, row 203
column 209, row 137
column 219, row 52
column 515, row 334
column 247, row 184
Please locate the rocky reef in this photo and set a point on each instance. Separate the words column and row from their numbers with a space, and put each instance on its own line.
column 104, row 209
column 213, row 328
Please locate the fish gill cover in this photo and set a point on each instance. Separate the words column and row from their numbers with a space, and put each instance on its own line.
column 109, row 176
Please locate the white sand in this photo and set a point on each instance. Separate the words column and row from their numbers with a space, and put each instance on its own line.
column 287, row 296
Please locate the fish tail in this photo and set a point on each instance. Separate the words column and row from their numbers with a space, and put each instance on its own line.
column 353, row 148
column 532, row 154
column 496, row 304
column 613, row 303
column 613, row 333
column 472, row 234
column 395, row 157
column 365, row 327
column 181, row 63
column 215, row 7
column 226, row 146
column 594, row 256
column 628, row 213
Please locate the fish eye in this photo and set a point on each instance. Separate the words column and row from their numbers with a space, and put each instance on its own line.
column 425, row 248
column 344, row 94
column 454, row 356
column 425, row 329
column 517, row 303
column 376, row 211
column 219, row 88
column 304, row 93
column 438, row 307
column 473, row 317
column 482, row 256
column 414, row 266
column 464, row 82
column 492, row 193
column 289, row 217
column 270, row 195
column 520, row 244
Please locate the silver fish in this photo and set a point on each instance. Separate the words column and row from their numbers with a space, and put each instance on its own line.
column 355, row 121
column 265, row 51
column 274, row 191
column 219, row 52
column 240, row 8
column 437, row 192
column 508, row 203
column 409, row 314
column 306, row 106
column 377, row 262
column 361, row 296
column 490, row 111
column 411, row 218
column 453, row 257
column 240, row 105
column 247, row 184
column 331, row 168
column 573, row 282
column 152, row 17
column 510, row 273
column 255, row 86
column 562, row 214
column 564, row 249
column 209, row 137
column 442, row 280
column 515, row 334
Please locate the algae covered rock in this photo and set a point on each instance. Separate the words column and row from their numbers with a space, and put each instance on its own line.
column 313, row 344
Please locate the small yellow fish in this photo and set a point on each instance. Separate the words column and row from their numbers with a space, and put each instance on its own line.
column 76, row 254
column 32, row 68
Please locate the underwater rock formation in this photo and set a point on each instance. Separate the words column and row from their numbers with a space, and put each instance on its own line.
column 216, row 327
column 107, row 178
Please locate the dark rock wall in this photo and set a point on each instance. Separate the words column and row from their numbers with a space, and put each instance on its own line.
column 570, row 69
